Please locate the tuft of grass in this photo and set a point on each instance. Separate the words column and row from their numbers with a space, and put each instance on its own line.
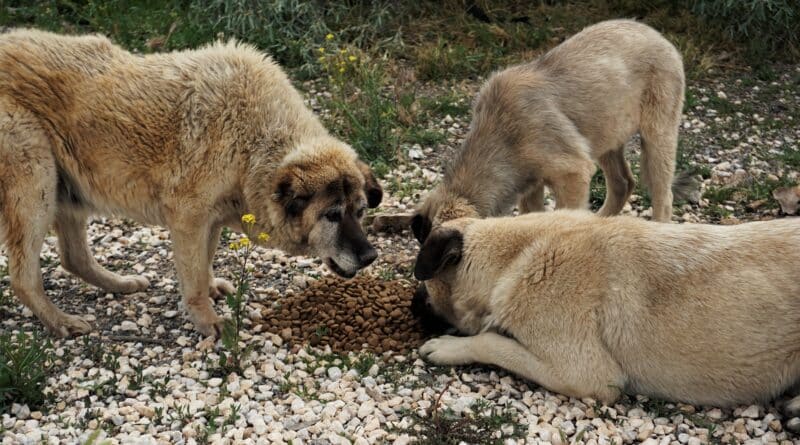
column 5, row 294
column 749, row 191
column 450, row 104
column 425, row 138
column 597, row 190
column 442, row 426
column 790, row 157
column 362, row 113
column 26, row 360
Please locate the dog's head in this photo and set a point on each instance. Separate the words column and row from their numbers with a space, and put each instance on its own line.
column 319, row 195
column 437, row 266
column 788, row 198
column 439, row 207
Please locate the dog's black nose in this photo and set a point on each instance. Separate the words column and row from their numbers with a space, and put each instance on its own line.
column 366, row 257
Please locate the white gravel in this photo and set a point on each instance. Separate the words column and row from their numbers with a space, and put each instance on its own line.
column 166, row 390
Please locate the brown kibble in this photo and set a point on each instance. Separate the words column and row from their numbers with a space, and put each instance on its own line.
column 346, row 315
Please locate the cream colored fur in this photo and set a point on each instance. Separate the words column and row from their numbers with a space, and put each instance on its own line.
column 547, row 122
column 590, row 306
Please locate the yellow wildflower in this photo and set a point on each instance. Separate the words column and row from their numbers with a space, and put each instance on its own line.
column 244, row 242
column 321, row 59
column 321, row 50
column 329, row 36
column 249, row 218
column 233, row 245
column 342, row 51
column 263, row 237
column 352, row 58
column 341, row 70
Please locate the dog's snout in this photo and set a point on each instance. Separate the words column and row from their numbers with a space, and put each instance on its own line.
column 366, row 257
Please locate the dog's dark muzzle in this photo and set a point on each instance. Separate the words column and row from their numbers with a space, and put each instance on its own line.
column 352, row 238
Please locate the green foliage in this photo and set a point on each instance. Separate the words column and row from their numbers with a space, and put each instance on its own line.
column 287, row 29
column 442, row 426
column 769, row 29
column 25, row 363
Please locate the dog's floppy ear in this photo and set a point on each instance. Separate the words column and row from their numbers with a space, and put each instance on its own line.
column 372, row 188
column 286, row 194
column 421, row 226
column 442, row 248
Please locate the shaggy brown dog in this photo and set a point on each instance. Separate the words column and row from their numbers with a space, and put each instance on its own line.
column 188, row 140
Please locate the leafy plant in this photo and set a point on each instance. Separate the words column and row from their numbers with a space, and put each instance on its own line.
column 442, row 426
column 231, row 361
column 25, row 362
column 766, row 27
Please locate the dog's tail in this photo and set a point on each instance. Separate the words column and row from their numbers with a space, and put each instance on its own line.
column 686, row 187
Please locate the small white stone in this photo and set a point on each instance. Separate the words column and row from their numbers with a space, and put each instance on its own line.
column 129, row 326
column 366, row 409
column 334, row 373
column 19, row 411
column 145, row 320
column 753, row 412
column 214, row 382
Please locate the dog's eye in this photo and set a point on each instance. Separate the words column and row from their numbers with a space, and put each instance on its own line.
column 360, row 212
column 333, row 215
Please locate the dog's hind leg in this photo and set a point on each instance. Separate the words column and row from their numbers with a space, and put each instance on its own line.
column 76, row 257
column 220, row 287
column 601, row 379
column 619, row 181
column 571, row 189
column 28, row 181
column 661, row 117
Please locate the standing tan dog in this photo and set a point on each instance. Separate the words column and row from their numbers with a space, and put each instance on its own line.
column 590, row 306
column 547, row 122
column 188, row 140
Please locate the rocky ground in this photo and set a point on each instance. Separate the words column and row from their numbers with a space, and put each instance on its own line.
column 145, row 377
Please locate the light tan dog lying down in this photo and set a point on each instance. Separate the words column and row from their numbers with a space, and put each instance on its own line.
column 589, row 306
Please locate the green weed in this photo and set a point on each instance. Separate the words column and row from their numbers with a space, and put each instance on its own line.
column 25, row 362
column 232, row 358
column 442, row 426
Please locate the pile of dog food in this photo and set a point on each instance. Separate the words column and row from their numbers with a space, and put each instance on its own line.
column 350, row 315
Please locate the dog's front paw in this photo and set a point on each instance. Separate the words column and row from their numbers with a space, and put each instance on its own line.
column 210, row 326
column 220, row 288
column 68, row 325
column 134, row 283
column 447, row 350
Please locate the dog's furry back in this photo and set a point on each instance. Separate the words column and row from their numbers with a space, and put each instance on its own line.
column 163, row 114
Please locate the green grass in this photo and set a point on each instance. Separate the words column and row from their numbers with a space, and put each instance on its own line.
column 425, row 138
column 5, row 294
column 452, row 104
column 443, row 426
column 26, row 360
column 749, row 191
column 790, row 158
column 436, row 41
